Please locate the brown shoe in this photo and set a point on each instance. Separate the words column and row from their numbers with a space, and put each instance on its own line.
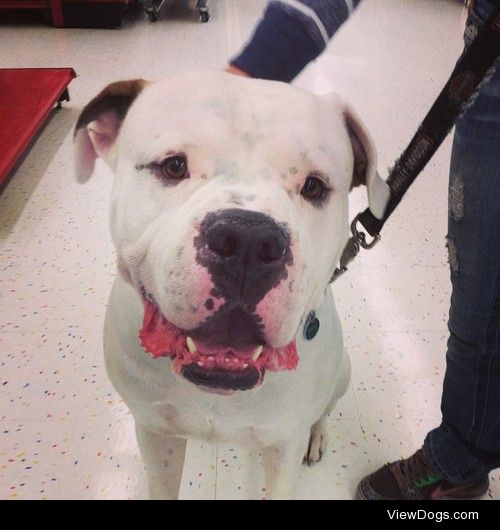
column 415, row 478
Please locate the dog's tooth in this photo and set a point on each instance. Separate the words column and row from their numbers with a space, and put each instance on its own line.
column 257, row 352
column 191, row 345
column 211, row 358
column 199, row 363
column 245, row 365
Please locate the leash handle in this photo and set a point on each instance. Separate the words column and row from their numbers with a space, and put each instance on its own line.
column 474, row 67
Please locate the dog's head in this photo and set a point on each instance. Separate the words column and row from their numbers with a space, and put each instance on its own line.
column 229, row 212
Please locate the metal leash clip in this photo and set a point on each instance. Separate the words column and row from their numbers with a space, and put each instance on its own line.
column 352, row 247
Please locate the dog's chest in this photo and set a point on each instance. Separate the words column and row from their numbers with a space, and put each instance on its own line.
column 185, row 411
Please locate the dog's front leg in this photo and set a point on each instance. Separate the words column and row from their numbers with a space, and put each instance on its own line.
column 282, row 464
column 163, row 456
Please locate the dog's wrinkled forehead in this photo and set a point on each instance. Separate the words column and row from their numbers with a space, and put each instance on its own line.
column 231, row 116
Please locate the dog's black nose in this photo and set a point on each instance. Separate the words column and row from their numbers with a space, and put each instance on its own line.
column 242, row 249
column 252, row 240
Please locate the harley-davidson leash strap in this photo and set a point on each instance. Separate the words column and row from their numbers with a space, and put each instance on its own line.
column 474, row 67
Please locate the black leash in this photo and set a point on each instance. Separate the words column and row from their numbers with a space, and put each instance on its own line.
column 474, row 67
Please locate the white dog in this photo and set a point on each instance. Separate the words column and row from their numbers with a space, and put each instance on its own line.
column 229, row 212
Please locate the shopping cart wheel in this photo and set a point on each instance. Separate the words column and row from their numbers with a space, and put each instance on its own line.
column 204, row 16
column 152, row 15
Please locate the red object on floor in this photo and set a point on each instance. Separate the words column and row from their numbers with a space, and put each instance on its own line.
column 27, row 96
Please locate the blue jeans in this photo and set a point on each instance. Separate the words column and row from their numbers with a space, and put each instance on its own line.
column 466, row 446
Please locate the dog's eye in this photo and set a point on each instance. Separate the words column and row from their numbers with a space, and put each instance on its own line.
column 314, row 189
column 174, row 167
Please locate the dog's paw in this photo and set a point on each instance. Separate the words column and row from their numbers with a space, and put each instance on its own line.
column 318, row 441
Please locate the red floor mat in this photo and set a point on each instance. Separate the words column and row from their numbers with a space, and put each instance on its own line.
column 26, row 98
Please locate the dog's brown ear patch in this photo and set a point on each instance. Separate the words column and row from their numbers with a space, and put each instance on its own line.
column 362, row 147
column 99, row 123
column 116, row 97
column 365, row 163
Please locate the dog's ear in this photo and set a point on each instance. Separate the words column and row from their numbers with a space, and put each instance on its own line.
column 365, row 163
column 99, row 124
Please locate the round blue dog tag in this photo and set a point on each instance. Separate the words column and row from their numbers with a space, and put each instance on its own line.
column 311, row 326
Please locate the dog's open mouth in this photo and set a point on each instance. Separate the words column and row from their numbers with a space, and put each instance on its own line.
column 215, row 369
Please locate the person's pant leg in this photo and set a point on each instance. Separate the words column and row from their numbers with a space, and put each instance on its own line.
column 466, row 446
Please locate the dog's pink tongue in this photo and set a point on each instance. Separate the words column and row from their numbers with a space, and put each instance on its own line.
column 157, row 335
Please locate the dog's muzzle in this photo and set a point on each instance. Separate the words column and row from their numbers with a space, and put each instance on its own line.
column 246, row 254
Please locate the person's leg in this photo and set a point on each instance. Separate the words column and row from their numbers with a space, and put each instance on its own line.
column 458, row 455
column 467, row 443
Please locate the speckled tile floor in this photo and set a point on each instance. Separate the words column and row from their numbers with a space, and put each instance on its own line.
column 64, row 433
